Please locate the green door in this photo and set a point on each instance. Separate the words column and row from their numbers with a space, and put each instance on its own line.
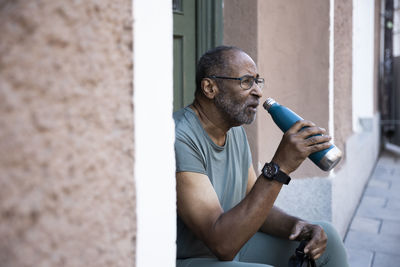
column 198, row 26
column 184, row 52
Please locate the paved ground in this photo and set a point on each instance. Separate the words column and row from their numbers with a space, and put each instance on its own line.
column 373, row 239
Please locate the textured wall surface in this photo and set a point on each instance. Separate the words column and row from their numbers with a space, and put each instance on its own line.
column 240, row 30
column 240, row 25
column 293, row 55
column 343, row 36
column 66, row 133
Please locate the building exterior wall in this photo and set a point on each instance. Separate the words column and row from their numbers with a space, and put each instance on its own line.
column 294, row 58
column 306, row 53
column 67, row 194
column 240, row 25
column 362, row 150
column 349, row 180
column 363, row 63
column 343, row 39
column 240, row 30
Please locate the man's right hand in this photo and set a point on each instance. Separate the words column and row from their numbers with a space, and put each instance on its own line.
column 299, row 142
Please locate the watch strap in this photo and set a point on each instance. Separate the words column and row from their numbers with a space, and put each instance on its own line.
column 271, row 171
column 282, row 177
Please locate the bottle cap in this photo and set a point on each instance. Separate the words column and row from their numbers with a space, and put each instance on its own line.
column 331, row 159
column 268, row 103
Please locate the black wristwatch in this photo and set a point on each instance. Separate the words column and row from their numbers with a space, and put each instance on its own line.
column 271, row 172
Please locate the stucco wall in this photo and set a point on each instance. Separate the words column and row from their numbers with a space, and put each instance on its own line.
column 343, row 34
column 305, row 52
column 240, row 25
column 293, row 55
column 240, row 30
column 66, row 134
column 335, row 198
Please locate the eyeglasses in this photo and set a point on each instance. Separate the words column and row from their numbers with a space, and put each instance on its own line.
column 246, row 81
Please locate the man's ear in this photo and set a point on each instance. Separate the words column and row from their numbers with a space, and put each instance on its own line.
column 209, row 88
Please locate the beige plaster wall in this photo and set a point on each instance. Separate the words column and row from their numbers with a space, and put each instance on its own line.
column 343, row 36
column 240, row 30
column 66, row 134
column 240, row 25
column 293, row 55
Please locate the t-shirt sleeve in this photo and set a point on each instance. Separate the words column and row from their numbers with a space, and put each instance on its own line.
column 188, row 157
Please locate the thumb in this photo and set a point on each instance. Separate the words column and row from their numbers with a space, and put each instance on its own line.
column 296, row 231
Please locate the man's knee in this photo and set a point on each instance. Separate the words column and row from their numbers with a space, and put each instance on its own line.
column 330, row 231
column 335, row 253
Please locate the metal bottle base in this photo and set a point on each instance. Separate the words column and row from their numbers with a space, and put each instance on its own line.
column 331, row 159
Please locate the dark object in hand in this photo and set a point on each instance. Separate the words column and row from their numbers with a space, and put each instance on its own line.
column 301, row 259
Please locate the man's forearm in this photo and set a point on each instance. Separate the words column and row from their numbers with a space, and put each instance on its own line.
column 236, row 226
column 278, row 223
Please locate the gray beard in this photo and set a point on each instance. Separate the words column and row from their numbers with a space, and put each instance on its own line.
column 234, row 111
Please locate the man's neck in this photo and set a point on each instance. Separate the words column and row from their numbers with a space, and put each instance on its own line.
column 213, row 123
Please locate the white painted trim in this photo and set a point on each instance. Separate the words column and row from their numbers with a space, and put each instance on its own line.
column 154, row 167
column 363, row 61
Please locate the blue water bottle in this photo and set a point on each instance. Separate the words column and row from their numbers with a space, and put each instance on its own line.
column 284, row 117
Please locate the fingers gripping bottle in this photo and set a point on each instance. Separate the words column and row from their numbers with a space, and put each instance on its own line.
column 284, row 117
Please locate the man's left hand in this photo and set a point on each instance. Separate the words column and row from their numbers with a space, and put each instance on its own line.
column 315, row 235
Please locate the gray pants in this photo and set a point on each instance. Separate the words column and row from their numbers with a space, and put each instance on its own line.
column 263, row 250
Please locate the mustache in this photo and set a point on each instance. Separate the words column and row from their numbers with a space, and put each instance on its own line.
column 252, row 103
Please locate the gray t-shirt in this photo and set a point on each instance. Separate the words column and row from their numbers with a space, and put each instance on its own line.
column 226, row 166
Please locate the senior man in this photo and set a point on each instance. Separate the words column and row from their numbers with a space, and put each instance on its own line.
column 226, row 215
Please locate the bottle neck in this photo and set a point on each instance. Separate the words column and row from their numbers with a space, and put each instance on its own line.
column 269, row 103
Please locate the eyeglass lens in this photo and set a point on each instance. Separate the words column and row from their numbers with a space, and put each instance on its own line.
column 248, row 81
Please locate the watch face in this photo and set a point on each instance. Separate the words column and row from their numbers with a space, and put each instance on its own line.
column 270, row 170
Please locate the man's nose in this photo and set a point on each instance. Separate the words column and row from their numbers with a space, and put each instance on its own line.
column 256, row 90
